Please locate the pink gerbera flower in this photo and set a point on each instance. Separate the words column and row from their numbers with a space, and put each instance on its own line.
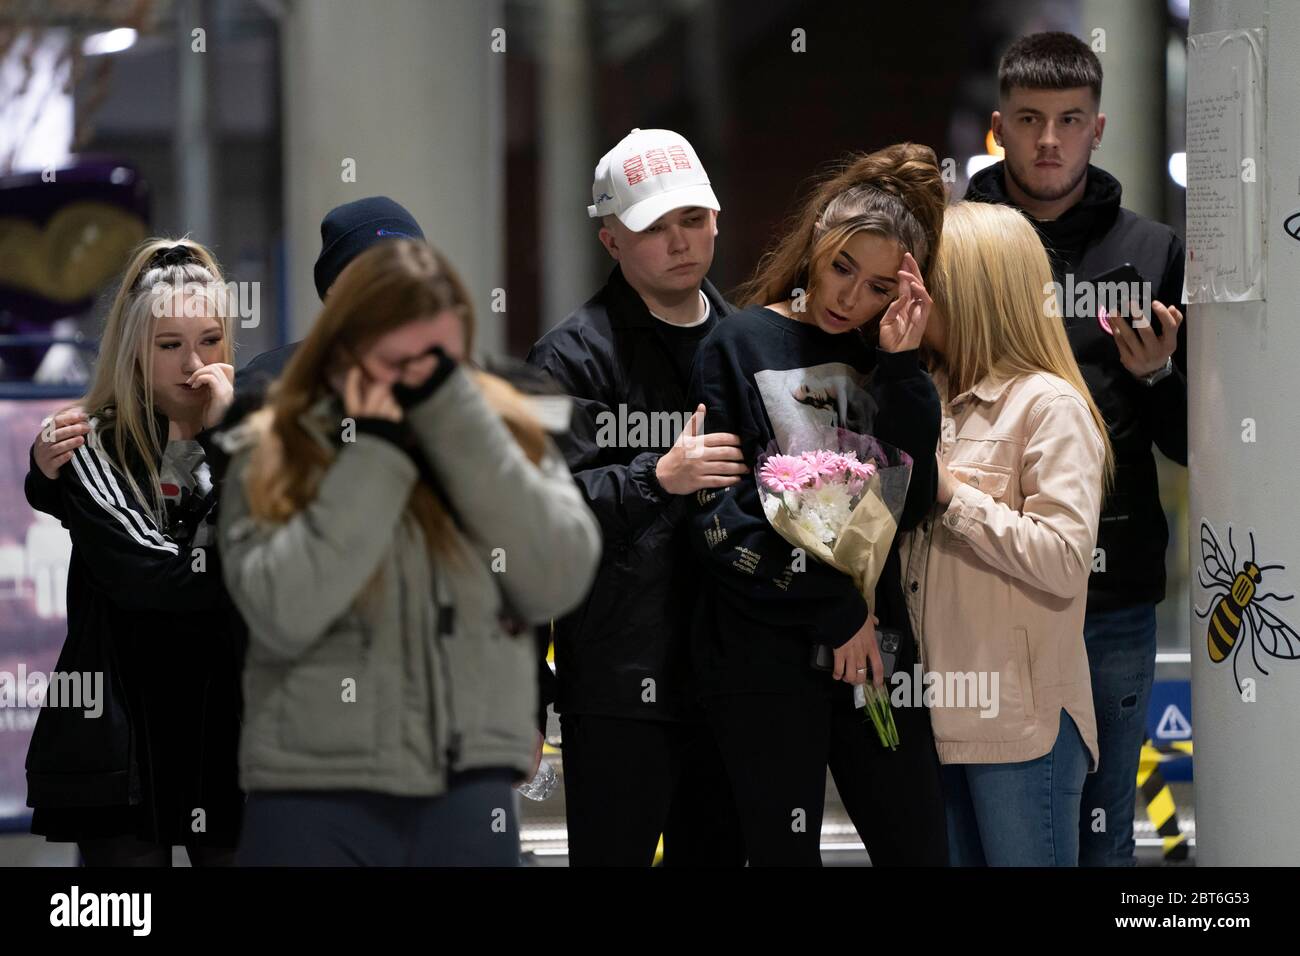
column 825, row 465
column 861, row 470
column 785, row 473
column 845, row 463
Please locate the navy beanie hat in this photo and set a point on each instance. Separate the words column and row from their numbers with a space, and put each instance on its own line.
column 351, row 229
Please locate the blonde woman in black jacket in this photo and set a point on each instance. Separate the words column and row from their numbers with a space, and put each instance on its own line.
column 147, row 610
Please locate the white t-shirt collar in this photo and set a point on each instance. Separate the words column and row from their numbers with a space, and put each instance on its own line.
column 704, row 315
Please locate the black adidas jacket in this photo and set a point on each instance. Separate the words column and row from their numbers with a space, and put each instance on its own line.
column 1091, row 238
column 151, row 614
column 625, row 652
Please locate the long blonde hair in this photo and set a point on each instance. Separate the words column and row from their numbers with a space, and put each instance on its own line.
column 384, row 288
column 991, row 280
column 120, row 396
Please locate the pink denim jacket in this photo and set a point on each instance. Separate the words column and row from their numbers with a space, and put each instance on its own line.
column 996, row 582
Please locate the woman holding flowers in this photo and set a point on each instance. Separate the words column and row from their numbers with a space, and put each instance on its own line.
column 829, row 339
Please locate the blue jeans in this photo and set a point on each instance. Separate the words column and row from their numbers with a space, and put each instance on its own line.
column 1122, row 663
column 1018, row 814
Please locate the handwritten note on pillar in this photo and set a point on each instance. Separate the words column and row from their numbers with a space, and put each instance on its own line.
column 1225, row 166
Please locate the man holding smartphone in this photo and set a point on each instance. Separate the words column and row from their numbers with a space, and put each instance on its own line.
column 1048, row 122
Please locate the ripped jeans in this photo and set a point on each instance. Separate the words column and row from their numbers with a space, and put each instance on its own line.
column 1122, row 662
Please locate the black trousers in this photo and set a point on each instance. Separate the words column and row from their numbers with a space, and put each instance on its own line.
column 894, row 798
column 626, row 781
column 777, row 748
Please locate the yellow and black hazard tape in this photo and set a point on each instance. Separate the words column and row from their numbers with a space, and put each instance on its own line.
column 1157, row 796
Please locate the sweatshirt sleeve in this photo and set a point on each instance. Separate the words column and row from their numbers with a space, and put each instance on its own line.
column 1049, row 542
column 907, row 417
column 1163, row 406
column 125, row 553
column 744, row 557
column 42, row 493
column 625, row 497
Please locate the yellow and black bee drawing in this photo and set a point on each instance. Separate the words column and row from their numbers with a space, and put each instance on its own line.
column 1239, row 607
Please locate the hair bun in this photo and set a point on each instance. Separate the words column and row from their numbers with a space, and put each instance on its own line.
column 911, row 172
column 177, row 255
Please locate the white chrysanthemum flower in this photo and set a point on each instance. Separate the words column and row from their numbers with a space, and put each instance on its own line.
column 832, row 504
column 812, row 522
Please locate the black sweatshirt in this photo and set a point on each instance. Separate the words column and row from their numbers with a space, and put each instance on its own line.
column 761, row 375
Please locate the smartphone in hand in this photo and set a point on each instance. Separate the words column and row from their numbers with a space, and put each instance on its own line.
column 888, row 639
column 1115, row 288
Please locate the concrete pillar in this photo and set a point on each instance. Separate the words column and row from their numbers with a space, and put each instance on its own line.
column 193, row 150
column 573, row 263
column 412, row 93
column 1244, row 431
column 1132, row 97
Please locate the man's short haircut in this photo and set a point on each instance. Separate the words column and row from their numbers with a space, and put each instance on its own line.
column 1049, row 61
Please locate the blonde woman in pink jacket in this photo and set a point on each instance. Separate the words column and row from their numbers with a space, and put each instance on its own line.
column 996, row 578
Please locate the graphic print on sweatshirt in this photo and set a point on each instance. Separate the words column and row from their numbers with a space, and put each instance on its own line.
column 801, row 401
column 186, row 482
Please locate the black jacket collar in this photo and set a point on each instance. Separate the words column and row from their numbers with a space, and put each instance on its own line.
column 625, row 307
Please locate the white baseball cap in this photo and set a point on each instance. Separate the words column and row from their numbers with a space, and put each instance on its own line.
column 650, row 172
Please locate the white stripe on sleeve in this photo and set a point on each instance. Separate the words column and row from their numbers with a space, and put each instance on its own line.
column 84, row 466
column 142, row 521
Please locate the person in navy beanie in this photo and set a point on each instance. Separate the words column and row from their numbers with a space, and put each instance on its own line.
column 345, row 232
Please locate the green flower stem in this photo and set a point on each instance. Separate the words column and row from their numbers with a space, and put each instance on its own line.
column 881, row 715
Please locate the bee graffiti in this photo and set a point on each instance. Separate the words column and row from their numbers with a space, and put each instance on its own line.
column 1236, row 608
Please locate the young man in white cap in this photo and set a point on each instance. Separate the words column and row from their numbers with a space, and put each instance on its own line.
column 637, row 760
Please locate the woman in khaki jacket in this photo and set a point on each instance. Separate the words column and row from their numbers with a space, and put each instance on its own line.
column 392, row 518
column 997, row 578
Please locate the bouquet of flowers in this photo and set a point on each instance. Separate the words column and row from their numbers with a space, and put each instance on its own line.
column 839, row 499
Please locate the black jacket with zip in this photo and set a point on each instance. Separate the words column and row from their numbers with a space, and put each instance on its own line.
column 625, row 652
column 1091, row 238
column 150, row 613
